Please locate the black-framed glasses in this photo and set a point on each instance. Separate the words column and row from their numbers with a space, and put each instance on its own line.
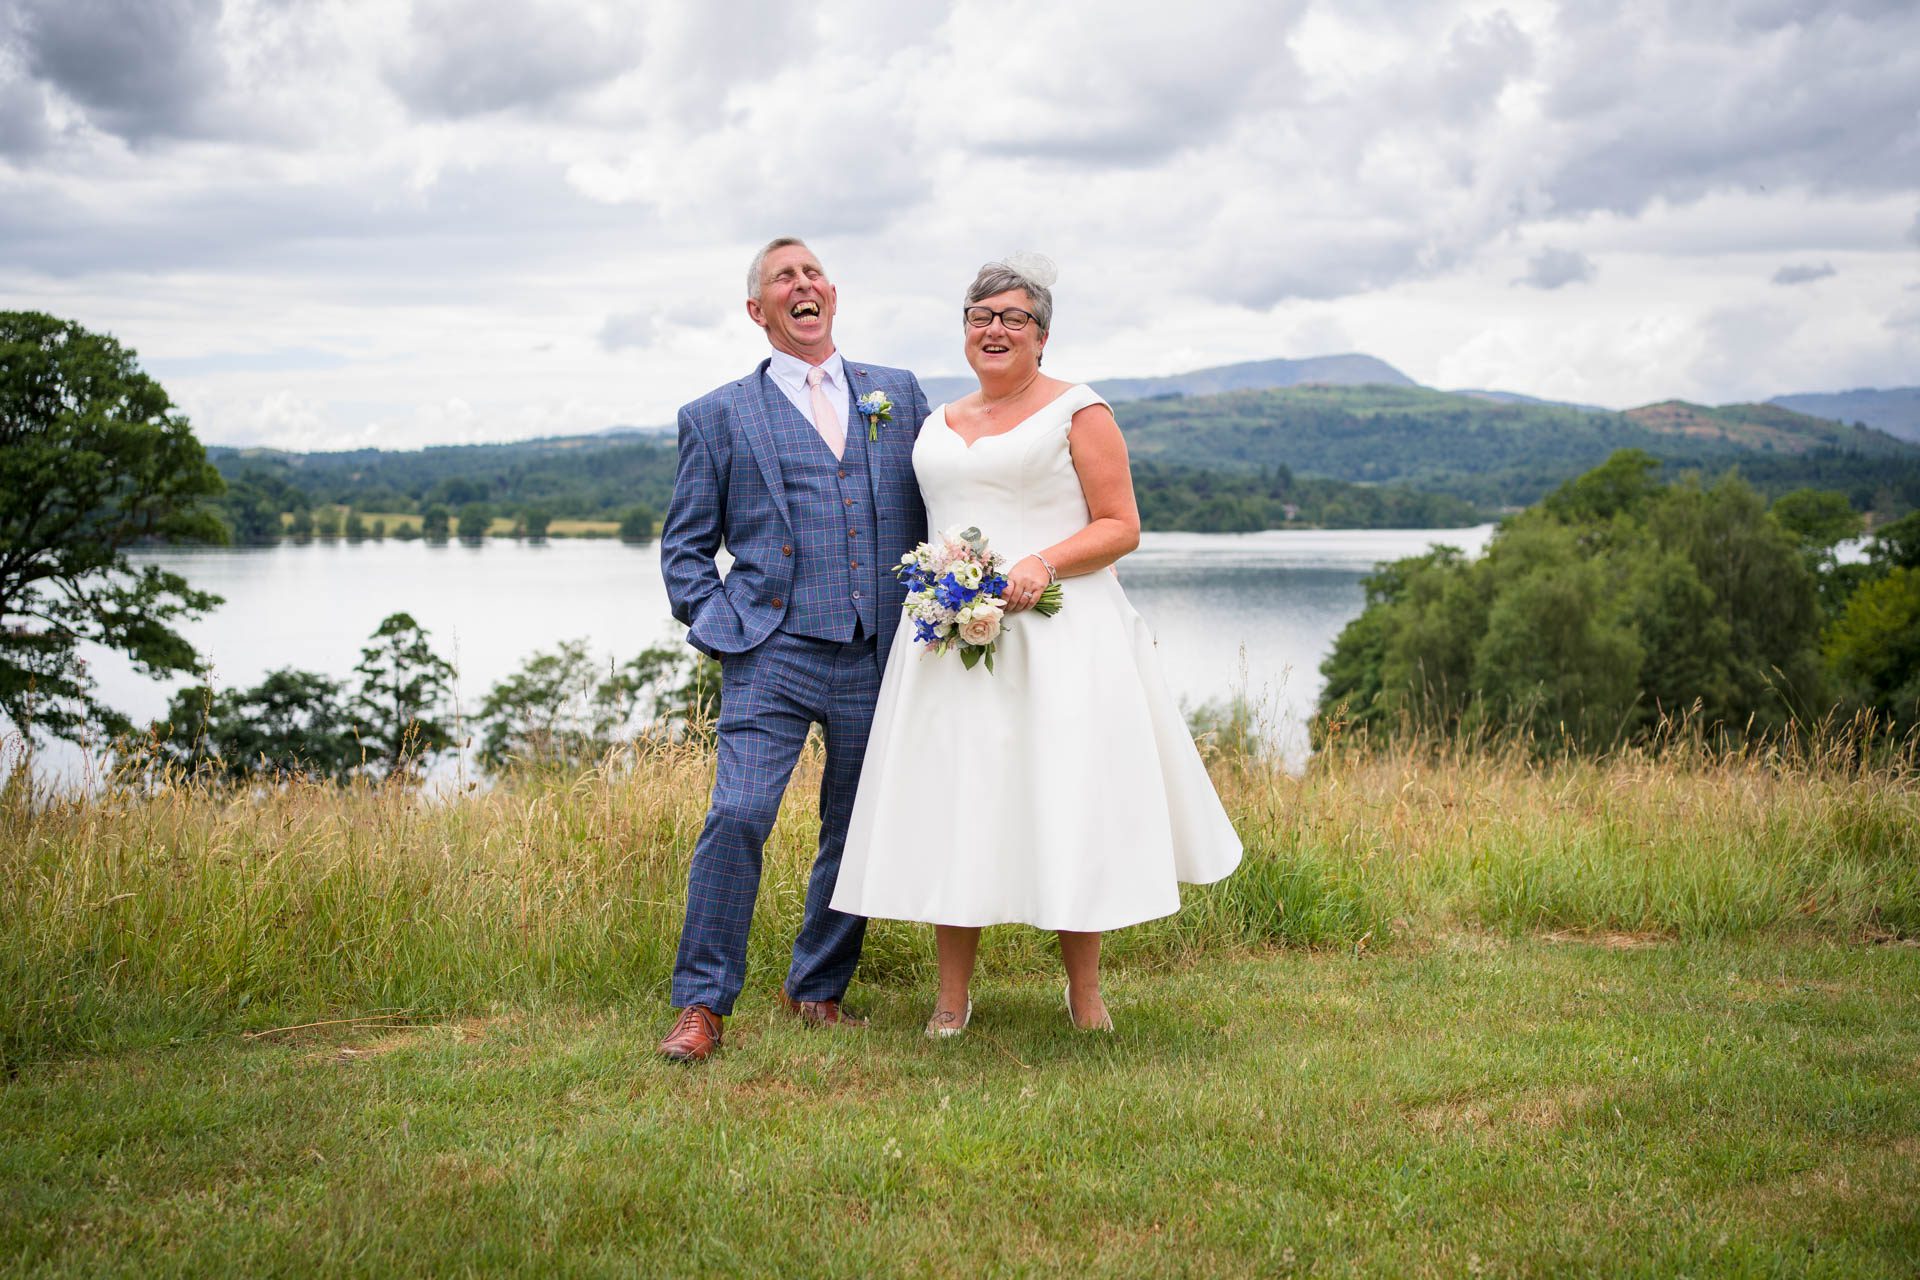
column 1012, row 317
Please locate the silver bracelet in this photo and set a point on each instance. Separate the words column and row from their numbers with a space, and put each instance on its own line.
column 1052, row 577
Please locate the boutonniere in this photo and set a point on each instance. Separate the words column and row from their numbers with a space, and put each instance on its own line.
column 876, row 408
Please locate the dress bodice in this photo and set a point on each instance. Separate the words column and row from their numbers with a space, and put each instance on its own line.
column 1018, row 486
column 1102, row 805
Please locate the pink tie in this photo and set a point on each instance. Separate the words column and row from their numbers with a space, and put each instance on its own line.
column 833, row 431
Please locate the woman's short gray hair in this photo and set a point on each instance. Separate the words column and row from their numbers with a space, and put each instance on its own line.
column 998, row 277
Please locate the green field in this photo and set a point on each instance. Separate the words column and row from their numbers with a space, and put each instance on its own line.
column 1456, row 1015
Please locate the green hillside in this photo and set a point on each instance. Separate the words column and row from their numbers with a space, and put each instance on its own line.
column 1767, row 427
column 1336, row 456
column 1502, row 454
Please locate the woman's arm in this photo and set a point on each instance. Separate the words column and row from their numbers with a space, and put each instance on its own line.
column 1113, row 528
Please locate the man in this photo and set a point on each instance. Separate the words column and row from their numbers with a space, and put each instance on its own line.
column 810, row 486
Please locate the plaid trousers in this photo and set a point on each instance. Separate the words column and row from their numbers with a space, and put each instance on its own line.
column 769, row 696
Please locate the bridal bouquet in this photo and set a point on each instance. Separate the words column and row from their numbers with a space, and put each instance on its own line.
column 955, row 597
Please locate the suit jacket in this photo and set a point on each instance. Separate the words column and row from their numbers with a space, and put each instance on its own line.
column 727, row 489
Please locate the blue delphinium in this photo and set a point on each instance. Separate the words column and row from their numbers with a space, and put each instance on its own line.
column 950, row 593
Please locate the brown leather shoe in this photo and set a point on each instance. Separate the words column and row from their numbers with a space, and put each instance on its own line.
column 695, row 1036
column 819, row 1013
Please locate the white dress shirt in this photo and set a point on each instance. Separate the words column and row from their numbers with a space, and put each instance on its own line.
column 790, row 375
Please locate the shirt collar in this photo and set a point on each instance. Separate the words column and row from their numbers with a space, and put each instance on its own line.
column 792, row 370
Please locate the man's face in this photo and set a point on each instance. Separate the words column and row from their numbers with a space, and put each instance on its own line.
column 796, row 304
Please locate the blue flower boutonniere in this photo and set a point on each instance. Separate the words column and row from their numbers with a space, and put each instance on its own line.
column 876, row 408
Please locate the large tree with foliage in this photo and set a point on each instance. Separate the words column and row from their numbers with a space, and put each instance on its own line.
column 93, row 459
column 1616, row 601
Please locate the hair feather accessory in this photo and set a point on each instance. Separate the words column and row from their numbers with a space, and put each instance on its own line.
column 1035, row 267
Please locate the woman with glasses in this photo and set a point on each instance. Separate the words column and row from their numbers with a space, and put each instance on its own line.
column 1060, row 789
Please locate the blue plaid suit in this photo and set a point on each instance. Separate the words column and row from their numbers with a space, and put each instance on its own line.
column 778, row 678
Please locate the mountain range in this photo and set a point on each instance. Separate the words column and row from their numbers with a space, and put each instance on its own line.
column 1351, row 370
column 1224, row 447
column 1895, row 410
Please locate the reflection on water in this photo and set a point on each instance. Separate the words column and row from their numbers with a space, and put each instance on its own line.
column 1254, row 612
column 1257, row 613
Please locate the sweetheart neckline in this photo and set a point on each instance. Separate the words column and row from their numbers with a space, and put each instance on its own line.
column 995, row 435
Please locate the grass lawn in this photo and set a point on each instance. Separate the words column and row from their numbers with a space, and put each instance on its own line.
column 1471, row 1103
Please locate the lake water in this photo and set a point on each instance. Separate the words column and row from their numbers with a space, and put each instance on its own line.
column 1254, row 612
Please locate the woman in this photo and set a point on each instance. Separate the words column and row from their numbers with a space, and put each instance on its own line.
column 1061, row 789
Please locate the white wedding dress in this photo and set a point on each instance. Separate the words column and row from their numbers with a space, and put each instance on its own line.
column 1061, row 789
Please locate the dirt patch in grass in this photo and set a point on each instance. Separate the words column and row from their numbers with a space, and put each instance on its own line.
column 1549, row 1108
column 1610, row 940
column 391, row 1039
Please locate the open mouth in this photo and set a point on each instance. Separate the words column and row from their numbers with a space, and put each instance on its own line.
column 995, row 348
column 804, row 310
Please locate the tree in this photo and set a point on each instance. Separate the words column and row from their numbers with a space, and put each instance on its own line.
column 436, row 523
column 1616, row 600
column 535, row 521
column 300, row 528
column 93, row 459
column 1897, row 545
column 251, row 512
column 1873, row 648
column 1819, row 520
column 292, row 724
column 474, row 519
column 637, row 524
column 356, row 528
column 404, row 688
column 326, row 522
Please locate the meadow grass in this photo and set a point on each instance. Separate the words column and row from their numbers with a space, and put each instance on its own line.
column 1461, row 1011
column 147, row 912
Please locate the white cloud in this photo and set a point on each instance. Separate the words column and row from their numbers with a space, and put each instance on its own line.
column 544, row 220
column 1552, row 268
column 1803, row 272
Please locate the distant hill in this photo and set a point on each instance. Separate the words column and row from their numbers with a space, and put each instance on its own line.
column 1766, row 427
column 1894, row 410
column 1514, row 397
column 1509, row 454
column 1254, row 375
column 1250, row 458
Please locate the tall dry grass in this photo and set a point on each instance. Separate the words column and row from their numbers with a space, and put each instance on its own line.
column 151, row 910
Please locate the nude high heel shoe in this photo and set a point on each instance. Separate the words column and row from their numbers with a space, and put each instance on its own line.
column 1105, row 1023
column 942, row 1025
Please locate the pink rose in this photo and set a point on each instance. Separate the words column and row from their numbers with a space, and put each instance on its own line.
column 980, row 624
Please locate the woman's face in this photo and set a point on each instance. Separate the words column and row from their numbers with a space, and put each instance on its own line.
column 994, row 350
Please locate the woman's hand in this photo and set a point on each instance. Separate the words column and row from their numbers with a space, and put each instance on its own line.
column 1025, row 581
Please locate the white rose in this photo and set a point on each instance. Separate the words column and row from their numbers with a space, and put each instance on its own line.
column 981, row 624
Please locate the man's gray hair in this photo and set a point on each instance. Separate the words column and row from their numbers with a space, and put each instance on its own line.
column 998, row 277
column 760, row 260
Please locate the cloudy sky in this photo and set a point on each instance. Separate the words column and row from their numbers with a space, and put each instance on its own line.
column 333, row 223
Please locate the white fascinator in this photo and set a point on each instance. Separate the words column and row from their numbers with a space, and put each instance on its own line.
column 1035, row 268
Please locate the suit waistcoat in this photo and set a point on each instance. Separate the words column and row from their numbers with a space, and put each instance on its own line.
column 835, row 527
